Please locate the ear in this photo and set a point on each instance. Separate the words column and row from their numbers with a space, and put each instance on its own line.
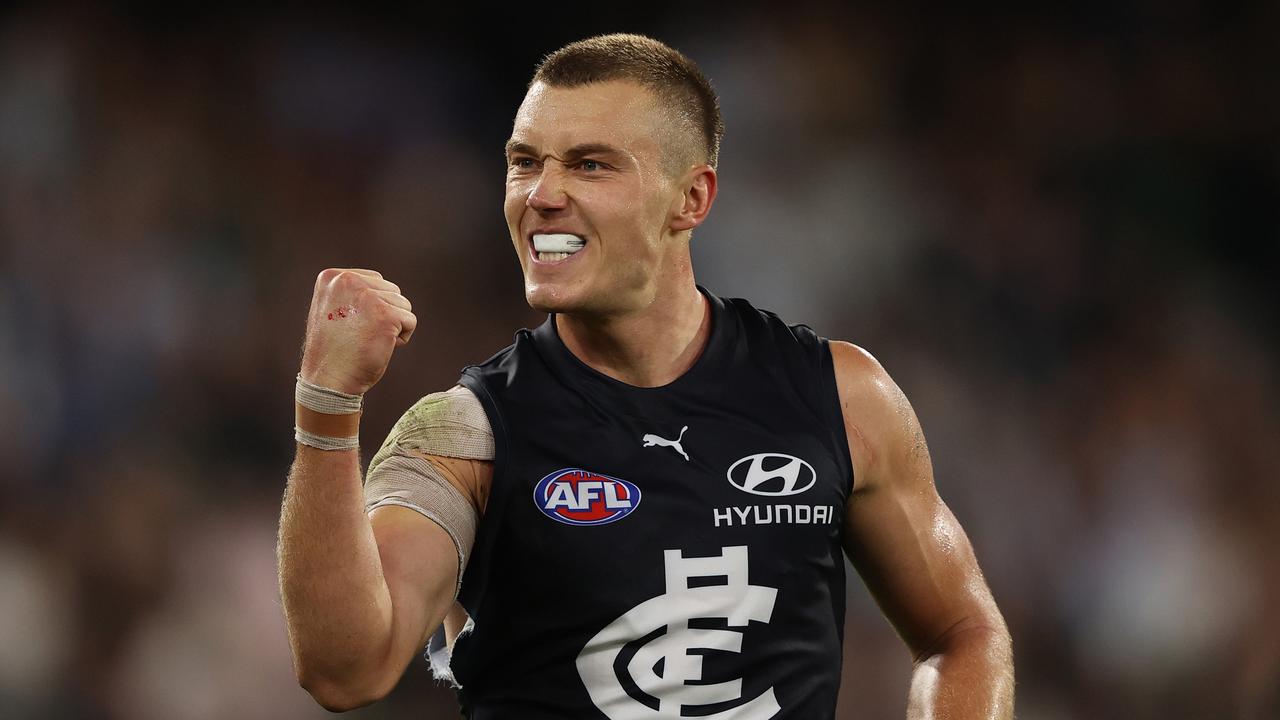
column 691, row 208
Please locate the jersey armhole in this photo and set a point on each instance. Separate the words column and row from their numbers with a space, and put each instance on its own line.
column 471, row 381
column 834, row 413
column 476, row 580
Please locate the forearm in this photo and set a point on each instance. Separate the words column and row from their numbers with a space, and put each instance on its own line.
column 336, row 602
column 969, row 676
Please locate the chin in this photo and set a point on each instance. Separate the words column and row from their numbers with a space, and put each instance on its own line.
column 550, row 298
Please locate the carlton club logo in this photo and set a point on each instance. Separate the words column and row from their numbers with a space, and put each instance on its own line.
column 772, row 474
column 665, row 668
column 575, row 496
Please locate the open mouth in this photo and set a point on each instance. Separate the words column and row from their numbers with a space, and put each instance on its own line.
column 556, row 247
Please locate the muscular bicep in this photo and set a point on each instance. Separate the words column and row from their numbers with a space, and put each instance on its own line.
column 438, row 461
column 424, row 533
column 424, row 546
column 917, row 563
column 420, row 566
column 901, row 537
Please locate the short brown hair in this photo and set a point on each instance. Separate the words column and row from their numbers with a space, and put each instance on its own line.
column 680, row 86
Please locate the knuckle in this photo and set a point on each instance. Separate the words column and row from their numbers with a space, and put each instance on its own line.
column 326, row 276
column 347, row 280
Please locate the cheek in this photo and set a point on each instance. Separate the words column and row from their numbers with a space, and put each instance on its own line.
column 513, row 208
column 652, row 212
column 514, row 202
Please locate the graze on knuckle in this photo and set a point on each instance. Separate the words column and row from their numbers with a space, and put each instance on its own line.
column 342, row 312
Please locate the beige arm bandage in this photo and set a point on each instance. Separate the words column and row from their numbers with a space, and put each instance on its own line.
column 450, row 424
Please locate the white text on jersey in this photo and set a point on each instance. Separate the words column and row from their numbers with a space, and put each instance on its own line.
column 586, row 491
column 774, row 515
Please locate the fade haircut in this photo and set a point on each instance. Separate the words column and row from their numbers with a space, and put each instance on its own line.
column 681, row 88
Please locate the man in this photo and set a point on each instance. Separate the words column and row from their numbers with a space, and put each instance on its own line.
column 644, row 502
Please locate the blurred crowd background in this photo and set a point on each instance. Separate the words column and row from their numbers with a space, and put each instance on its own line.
column 1057, row 229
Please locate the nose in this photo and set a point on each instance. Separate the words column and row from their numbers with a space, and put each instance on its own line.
column 548, row 192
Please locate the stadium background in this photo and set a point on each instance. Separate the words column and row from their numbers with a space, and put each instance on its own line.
column 1058, row 229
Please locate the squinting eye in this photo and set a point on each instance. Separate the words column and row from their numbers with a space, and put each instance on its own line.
column 523, row 163
column 590, row 165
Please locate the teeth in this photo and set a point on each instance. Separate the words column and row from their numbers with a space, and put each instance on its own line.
column 552, row 256
column 558, row 243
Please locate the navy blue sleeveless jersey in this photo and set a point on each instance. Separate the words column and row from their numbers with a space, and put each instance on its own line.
column 660, row 552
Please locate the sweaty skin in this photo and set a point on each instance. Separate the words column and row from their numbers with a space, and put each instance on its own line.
column 362, row 594
column 901, row 537
column 590, row 161
column 914, row 556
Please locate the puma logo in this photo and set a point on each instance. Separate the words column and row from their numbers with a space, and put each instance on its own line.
column 651, row 440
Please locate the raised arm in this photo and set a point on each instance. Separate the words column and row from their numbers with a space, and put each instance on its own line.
column 361, row 592
column 915, row 557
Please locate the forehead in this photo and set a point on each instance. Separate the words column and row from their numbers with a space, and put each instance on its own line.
column 619, row 113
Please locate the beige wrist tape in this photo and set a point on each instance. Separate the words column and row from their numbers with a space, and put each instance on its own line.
column 324, row 442
column 326, row 400
column 324, row 418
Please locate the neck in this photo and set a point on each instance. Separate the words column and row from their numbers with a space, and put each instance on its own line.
column 646, row 348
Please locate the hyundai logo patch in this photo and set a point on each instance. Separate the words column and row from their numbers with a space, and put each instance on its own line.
column 772, row 474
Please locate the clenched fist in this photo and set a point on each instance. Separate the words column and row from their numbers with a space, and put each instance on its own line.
column 357, row 319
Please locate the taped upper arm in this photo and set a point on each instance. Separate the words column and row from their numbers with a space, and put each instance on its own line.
column 437, row 461
column 425, row 490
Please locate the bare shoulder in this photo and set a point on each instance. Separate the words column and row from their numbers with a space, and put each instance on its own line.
column 881, row 426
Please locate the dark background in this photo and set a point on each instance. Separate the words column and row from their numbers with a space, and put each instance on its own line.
column 1057, row 229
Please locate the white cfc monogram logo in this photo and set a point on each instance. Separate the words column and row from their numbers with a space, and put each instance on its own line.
column 734, row 600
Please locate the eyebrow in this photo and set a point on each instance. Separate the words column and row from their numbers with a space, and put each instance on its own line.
column 574, row 153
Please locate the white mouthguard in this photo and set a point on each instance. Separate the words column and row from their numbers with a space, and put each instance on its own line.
column 558, row 242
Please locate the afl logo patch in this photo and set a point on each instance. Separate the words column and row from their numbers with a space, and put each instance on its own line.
column 772, row 474
column 575, row 496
